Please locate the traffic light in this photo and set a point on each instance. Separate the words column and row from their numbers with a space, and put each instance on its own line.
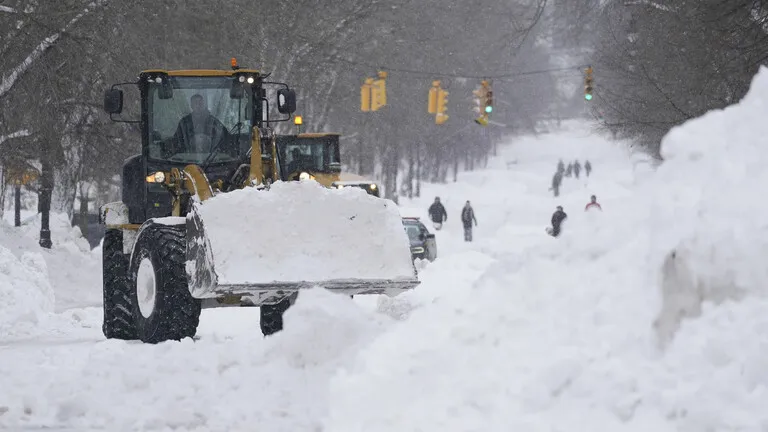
column 483, row 102
column 379, row 92
column 588, row 83
column 442, row 101
column 442, row 106
column 480, row 95
column 432, row 99
column 365, row 95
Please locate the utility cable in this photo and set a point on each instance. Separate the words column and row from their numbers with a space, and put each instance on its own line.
column 454, row 75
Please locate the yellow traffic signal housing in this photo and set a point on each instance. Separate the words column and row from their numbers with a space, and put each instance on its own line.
column 482, row 120
column 441, row 118
column 432, row 98
column 588, row 83
column 442, row 101
column 484, row 98
column 379, row 92
column 480, row 96
column 365, row 95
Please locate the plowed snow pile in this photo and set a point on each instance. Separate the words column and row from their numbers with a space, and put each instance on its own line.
column 26, row 296
column 36, row 282
column 301, row 231
column 582, row 332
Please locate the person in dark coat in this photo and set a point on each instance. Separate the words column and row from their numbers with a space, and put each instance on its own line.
column 467, row 217
column 560, row 166
column 576, row 169
column 557, row 180
column 557, row 219
column 437, row 213
column 569, row 170
column 588, row 168
column 198, row 131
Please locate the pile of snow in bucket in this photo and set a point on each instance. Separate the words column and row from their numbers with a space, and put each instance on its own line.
column 301, row 231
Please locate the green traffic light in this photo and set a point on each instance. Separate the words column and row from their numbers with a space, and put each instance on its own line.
column 488, row 109
column 588, row 96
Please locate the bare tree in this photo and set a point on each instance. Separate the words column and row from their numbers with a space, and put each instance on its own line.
column 660, row 65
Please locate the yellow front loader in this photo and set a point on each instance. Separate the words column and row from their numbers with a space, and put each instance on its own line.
column 220, row 210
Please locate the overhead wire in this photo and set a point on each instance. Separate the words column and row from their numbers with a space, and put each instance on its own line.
column 497, row 76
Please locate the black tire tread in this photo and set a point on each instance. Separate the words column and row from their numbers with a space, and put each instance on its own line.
column 118, row 310
column 178, row 312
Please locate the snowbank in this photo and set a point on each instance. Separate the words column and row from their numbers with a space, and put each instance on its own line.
column 63, row 234
column 73, row 269
column 713, row 219
column 563, row 334
column 301, row 231
column 26, row 296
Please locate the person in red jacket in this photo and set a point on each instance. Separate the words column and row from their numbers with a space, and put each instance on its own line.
column 593, row 204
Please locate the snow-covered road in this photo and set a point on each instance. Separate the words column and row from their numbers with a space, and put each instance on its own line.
column 62, row 373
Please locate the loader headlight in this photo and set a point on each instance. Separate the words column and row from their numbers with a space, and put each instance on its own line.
column 339, row 186
column 304, row 176
column 158, row 177
column 373, row 187
column 417, row 250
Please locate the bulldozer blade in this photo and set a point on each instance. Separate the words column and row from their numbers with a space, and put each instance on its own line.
column 268, row 293
column 268, row 244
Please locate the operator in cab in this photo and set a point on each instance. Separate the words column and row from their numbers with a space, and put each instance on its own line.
column 199, row 131
column 296, row 161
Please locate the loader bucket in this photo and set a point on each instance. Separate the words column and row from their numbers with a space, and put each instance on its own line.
column 267, row 244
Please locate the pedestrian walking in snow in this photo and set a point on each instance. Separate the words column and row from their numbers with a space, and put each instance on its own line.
column 576, row 169
column 438, row 214
column 467, row 217
column 557, row 220
column 560, row 166
column 587, row 168
column 569, row 170
column 593, row 204
column 557, row 180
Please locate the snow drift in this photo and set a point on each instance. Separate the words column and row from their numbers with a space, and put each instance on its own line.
column 302, row 231
column 26, row 296
column 560, row 335
column 36, row 282
column 712, row 223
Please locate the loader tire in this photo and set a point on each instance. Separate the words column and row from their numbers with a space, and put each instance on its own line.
column 163, row 307
column 118, row 310
column 271, row 320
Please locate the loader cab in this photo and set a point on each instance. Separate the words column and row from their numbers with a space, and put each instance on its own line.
column 205, row 118
column 309, row 156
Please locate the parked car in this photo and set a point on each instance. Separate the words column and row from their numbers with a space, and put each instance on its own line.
column 423, row 244
column 371, row 187
column 347, row 179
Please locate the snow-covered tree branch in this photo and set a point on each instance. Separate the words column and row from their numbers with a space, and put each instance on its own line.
column 9, row 78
